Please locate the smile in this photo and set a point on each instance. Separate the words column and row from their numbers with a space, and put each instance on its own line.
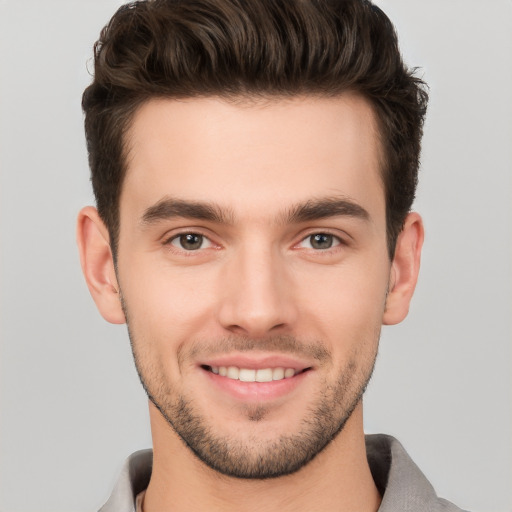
column 254, row 375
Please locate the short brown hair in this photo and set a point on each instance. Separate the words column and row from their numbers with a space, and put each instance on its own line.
column 251, row 48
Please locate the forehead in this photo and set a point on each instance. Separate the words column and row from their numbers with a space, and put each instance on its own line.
column 253, row 157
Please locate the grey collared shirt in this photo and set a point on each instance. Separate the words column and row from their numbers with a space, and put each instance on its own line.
column 402, row 485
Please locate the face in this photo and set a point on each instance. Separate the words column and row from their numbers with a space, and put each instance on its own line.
column 253, row 271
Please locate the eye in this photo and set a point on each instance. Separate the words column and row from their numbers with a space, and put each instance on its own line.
column 190, row 242
column 320, row 241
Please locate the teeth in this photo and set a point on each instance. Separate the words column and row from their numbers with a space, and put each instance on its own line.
column 264, row 375
column 289, row 372
column 251, row 375
column 247, row 375
column 233, row 372
column 278, row 374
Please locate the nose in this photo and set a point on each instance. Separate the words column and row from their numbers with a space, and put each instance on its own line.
column 257, row 296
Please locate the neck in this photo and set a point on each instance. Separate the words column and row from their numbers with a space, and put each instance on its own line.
column 338, row 479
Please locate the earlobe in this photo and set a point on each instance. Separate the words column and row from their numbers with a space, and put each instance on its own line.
column 404, row 270
column 98, row 264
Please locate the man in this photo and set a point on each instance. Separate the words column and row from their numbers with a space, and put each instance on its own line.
column 254, row 166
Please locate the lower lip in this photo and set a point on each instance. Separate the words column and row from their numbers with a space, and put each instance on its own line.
column 256, row 391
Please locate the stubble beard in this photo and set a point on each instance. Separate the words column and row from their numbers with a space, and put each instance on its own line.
column 253, row 458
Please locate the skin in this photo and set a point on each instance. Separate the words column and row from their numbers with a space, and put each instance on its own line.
column 256, row 290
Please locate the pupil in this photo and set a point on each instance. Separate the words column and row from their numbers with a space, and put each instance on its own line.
column 191, row 241
column 321, row 241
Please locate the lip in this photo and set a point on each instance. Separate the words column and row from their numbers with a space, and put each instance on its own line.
column 258, row 361
column 256, row 391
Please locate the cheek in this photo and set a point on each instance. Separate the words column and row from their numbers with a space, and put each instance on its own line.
column 165, row 302
column 349, row 294
column 347, row 312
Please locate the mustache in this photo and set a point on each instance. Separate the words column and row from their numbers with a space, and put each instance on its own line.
column 279, row 344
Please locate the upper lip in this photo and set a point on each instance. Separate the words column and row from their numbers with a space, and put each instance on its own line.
column 255, row 361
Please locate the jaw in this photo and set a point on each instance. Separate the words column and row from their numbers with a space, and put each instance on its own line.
column 253, row 430
column 332, row 480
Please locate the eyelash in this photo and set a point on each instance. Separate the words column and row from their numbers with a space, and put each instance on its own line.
column 182, row 251
column 337, row 243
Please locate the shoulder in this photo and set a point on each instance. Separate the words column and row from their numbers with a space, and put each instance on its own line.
column 401, row 483
column 133, row 479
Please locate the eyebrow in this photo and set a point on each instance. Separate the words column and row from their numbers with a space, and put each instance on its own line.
column 313, row 209
column 316, row 209
column 169, row 208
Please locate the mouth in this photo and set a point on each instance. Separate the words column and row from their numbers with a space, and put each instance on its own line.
column 256, row 377
column 270, row 374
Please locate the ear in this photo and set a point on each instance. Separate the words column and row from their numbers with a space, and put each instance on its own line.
column 404, row 270
column 98, row 264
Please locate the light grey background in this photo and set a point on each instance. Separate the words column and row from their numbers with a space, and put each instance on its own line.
column 71, row 405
